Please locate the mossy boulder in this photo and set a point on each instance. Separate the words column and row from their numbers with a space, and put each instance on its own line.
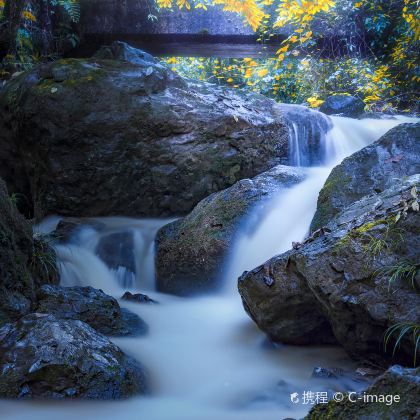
column 190, row 252
column 42, row 356
column 22, row 265
column 121, row 134
column 370, row 171
column 351, row 278
column 93, row 306
column 396, row 381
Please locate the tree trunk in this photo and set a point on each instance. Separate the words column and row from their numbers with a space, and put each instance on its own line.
column 45, row 25
column 13, row 18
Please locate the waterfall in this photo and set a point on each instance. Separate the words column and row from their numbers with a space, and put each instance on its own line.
column 206, row 358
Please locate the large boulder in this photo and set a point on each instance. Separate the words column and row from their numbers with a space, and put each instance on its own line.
column 25, row 264
column 369, row 171
column 394, row 395
column 190, row 251
column 345, row 105
column 357, row 275
column 42, row 356
column 96, row 137
column 89, row 305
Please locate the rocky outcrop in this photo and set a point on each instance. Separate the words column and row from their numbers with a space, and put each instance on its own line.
column 190, row 251
column 25, row 264
column 92, row 306
column 42, row 356
column 98, row 137
column 344, row 105
column 403, row 383
column 370, row 171
column 356, row 274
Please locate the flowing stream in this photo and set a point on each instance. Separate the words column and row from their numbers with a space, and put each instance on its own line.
column 205, row 357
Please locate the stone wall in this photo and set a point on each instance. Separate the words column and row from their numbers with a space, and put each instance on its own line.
column 106, row 17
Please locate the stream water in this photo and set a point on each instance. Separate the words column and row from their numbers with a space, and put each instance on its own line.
column 205, row 357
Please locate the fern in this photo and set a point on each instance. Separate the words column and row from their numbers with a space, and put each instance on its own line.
column 72, row 7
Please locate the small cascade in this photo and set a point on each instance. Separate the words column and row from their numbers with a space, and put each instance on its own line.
column 307, row 134
column 290, row 214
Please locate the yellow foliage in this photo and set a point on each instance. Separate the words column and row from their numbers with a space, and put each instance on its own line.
column 262, row 72
column 29, row 16
column 314, row 102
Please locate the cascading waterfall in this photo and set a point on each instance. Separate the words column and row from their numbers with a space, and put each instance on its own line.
column 206, row 358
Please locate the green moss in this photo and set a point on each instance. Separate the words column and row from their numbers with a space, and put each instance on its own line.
column 325, row 210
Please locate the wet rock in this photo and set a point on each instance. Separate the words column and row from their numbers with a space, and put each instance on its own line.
column 343, row 280
column 307, row 134
column 190, row 252
column 345, row 105
column 23, row 261
column 396, row 381
column 42, row 356
column 369, row 171
column 117, row 250
column 137, row 298
column 70, row 226
column 321, row 372
column 130, row 137
column 92, row 306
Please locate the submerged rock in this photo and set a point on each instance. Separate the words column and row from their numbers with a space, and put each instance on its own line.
column 403, row 383
column 130, row 137
column 89, row 305
column 137, row 297
column 190, row 252
column 371, row 170
column 42, row 356
column 25, row 264
column 353, row 276
column 345, row 105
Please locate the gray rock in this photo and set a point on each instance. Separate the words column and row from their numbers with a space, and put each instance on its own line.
column 342, row 276
column 42, row 356
column 369, row 171
column 345, row 105
column 190, row 252
column 396, row 381
column 131, row 139
column 100, row 311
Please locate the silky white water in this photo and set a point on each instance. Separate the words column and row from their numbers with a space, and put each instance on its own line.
column 205, row 357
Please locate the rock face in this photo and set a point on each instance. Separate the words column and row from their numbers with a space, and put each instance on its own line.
column 20, row 266
column 190, row 252
column 371, row 170
column 353, row 275
column 345, row 105
column 45, row 357
column 92, row 306
column 397, row 380
column 101, row 137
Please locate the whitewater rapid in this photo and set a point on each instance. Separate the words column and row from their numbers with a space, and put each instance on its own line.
column 206, row 359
